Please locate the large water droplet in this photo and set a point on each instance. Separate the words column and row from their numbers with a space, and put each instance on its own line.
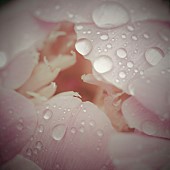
column 47, row 114
column 121, row 53
column 103, row 64
column 149, row 127
column 83, row 46
column 154, row 55
column 122, row 74
column 3, row 59
column 59, row 131
column 110, row 15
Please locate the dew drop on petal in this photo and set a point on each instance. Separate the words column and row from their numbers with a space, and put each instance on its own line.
column 103, row 64
column 100, row 133
column 92, row 123
column 110, row 15
column 122, row 74
column 154, row 55
column 3, row 59
column 149, row 127
column 81, row 129
column 20, row 126
column 134, row 37
column 47, row 114
column 41, row 128
column 130, row 28
column 79, row 27
column 83, row 46
column 130, row 64
column 29, row 152
column 121, row 53
column 39, row 145
column 104, row 37
column 59, row 131
column 73, row 130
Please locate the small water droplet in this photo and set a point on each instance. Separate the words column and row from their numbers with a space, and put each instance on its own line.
column 121, row 53
column 20, row 126
column 83, row 122
column 122, row 74
column 83, row 46
column 29, row 152
column 123, row 36
column 130, row 28
column 41, row 128
column 92, row 123
column 164, row 37
column 103, row 64
column 39, row 145
column 100, row 133
column 73, row 130
column 104, row 37
column 154, row 55
column 81, row 129
column 109, row 46
column 130, row 64
column 59, row 131
column 146, row 36
column 103, row 15
column 149, row 127
column 3, row 59
column 134, row 37
column 47, row 114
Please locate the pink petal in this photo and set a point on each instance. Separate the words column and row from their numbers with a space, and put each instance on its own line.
column 142, row 119
column 139, row 152
column 155, row 88
column 18, row 121
column 119, row 56
column 82, row 11
column 70, row 135
column 19, row 162
column 15, row 74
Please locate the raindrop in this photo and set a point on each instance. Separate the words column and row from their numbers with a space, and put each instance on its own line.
column 134, row 37
column 121, row 53
column 103, row 64
column 39, row 145
column 73, row 130
column 83, row 46
column 100, row 133
column 110, row 15
column 92, row 123
column 3, row 59
column 59, row 131
column 104, row 37
column 41, row 128
column 154, row 55
column 20, row 126
column 47, row 114
column 122, row 74
column 130, row 64
column 149, row 128
column 130, row 28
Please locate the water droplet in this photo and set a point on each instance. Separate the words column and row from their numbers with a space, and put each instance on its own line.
column 29, row 152
column 130, row 28
column 3, row 59
column 123, row 36
column 104, row 37
column 39, row 145
column 20, row 126
column 59, row 131
column 41, row 128
column 100, row 133
column 149, row 127
column 154, row 55
column 146, row 36
column 81, row 129
column 134, row 37
column 110, row 15
column 109, row 46
column 83, row 46
column 92, row 123
column 121, row 53
column 122, row 74
column 83, row 122
column 103, row 64
column 73, row 130
column 130, row 64
column 47, row 114
column 164, row 37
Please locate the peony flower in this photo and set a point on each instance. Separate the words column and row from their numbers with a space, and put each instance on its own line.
column 84, row 85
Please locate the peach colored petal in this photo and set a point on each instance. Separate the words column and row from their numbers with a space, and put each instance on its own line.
column 18, row 121
column 72, row 134
column 142, row 119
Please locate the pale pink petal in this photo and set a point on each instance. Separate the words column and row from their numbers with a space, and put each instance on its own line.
column 119, row 55
column 82, row 11
column 15, row 74
column 139, row 152
column 142, row 119
column 153, row 90
column 19, row 162
column 18, row 121
column 71, row 135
